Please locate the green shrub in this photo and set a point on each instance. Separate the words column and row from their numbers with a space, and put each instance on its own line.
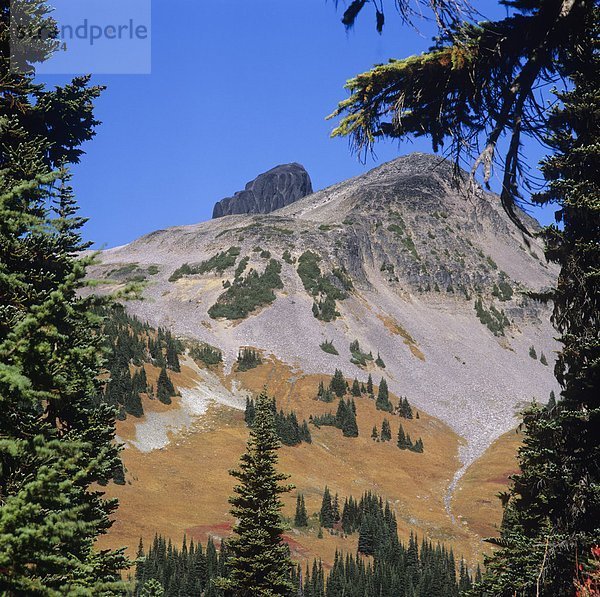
column 358, row 357
column 287, row 257
column 248, row 358
column 496, row 321
column 329, row 348
column 209, row 355
column 219, row 262
column 248, row 293
column 325, row 293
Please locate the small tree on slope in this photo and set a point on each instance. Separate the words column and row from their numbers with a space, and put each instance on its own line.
column 260, row 564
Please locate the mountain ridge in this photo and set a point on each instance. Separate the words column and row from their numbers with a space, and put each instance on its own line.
column 419, row 252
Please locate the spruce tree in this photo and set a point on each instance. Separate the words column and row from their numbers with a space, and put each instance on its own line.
column 370, row 385
column 386, row 432
column 326, row 514
column 57, row 442
column 338, row 384
column 301, row 517
column 383, row 397
column 164, row 387
column 259, row 563
column 356, row 388
column 487, row 102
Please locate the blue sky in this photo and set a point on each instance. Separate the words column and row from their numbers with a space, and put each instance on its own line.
column 236, row 87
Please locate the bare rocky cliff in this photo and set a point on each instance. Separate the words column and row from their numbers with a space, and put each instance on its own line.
column 435, row 279
column 269, row 191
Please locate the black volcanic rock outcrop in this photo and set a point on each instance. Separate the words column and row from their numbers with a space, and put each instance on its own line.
column 269, row 191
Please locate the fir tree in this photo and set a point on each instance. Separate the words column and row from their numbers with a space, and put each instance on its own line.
column 370, row 385
column 386, row 432
column 301, row 517
column 326, row 517
column 356, row 388
column 383, row 397
column 57, row 439
column 259, row 563
column 338, row 384
column 164, row 387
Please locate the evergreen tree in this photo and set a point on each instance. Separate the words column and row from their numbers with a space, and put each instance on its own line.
column 370, row 385
column 490, row 91
column 57, row 440
column 338, row 384
column 172, row 353
column 551, row 401
column 326, row 517
column 375, row 434
column 259, row 562
column 164, row 387
column 383, row 397
column 356, row 388
column 301, row 517
column 346, row 418
column 386, row 431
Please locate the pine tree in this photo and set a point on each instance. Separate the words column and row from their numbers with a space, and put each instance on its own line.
column 259, row 562
column 490, row 94
column 383, row 397
column 326, row 517
column 172, row 353
column 301, row 517
column 164, row 387
column 402, row 440
column 370, row 385
column 338, row 384
column 57, row 439
column 356, row 388
column 386, row 432
column 375, row 434
column 555, row 500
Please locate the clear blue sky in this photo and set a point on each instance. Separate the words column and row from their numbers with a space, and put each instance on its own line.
column 236, row 88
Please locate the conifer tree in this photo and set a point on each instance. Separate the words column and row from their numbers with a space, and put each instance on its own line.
column 370, row 385
column 356, row 388
column 326, row 517
column 57, row 439
column 301, row 517
column 386, row 432
column 164, row 387
column 374, row 434
column 259, row 563
column 338, row 384
column 383, row 397
column 489, row 92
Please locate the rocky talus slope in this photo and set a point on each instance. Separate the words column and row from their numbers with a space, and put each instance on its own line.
column 269, row 191
column 435, row 279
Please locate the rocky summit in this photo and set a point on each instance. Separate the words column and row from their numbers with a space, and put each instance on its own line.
column 269, row 191
column 414, row 265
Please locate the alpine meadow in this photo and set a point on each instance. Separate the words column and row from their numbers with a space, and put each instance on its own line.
column 372, row 372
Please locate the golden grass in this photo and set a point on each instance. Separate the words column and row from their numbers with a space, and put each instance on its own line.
column 184, row 488
column 476, row 500
column 395, row 328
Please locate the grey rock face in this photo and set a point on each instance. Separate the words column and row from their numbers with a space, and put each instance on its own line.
column 269, row 191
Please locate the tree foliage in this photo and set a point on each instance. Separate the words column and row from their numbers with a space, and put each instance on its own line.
column 56, row 439
column 259, row 564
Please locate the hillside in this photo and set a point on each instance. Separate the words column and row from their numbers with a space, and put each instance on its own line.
column 433, row 278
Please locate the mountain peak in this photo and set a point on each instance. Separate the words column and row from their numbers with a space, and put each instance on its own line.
column 271, row 190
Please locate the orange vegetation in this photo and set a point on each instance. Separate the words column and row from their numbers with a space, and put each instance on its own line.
column 184, row 487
